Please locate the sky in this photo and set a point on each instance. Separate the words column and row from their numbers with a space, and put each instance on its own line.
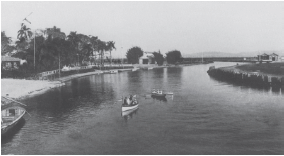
column 187, row 26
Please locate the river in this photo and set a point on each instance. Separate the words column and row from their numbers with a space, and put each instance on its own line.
column 204, row 116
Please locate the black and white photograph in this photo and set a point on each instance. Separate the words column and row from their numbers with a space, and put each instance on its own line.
column 142, row 77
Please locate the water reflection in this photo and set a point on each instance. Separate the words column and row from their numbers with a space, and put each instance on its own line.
column 273, row 89
column 163, row 98
column 129, row 114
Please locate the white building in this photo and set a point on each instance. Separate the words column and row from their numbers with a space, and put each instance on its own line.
column 147, row 58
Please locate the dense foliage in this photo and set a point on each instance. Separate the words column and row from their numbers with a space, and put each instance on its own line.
column 173, row 57
column 52, row 47
column 159, row 58
column 133, row 55
column 5, row 44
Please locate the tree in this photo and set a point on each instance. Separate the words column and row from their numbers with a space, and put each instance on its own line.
column 173, row 56
column 75, row 41
column 110, row 46
column 101, row 48
column 94, row 42
column 24, row 32
column 133, row 54
column 159, row 58
column 5, row 44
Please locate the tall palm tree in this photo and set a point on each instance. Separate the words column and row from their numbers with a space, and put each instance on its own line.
column 87, row 51
column 101, row 48
column 24, row 32
column 75, row 41
column 94, row 42
column 110, row 47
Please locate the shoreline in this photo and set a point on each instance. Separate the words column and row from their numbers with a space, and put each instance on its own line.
column 20, row 89
column 255, row 77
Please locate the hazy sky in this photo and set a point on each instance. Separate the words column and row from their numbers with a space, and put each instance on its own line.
column 186, row 26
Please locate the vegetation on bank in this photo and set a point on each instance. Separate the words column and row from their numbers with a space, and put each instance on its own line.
column 276, row 68
column 51, row 49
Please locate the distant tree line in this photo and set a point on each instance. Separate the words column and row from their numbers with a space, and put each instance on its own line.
column 172, row 57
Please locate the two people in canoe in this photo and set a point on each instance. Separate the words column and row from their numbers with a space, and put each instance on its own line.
column 157, row 91
column 130, row 100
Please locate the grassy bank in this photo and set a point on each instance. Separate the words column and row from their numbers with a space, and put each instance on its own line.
column 265, row 68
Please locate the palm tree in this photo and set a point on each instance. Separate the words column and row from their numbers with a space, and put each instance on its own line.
column 94, row 42
column 87, row 51
column 75, row 41
column 101, row 49
column 110, row 46
column 24, row 32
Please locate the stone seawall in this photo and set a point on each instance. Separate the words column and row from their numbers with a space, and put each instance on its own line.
column 251, row 78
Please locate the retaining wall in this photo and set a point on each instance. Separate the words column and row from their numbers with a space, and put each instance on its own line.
column 251, row 78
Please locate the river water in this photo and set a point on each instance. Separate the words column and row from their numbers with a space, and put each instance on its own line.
column 205, row 116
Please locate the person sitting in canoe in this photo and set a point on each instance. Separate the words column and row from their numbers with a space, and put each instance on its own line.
column 125, row 101
column 128, row 102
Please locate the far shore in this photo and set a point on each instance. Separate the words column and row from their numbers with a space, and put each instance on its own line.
column 269, row 69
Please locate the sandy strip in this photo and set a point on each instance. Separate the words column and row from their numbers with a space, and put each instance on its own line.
column 19, row 88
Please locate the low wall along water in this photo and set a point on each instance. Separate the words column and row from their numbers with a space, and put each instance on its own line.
column 250, row 78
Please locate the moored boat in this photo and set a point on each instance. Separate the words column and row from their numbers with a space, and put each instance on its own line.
column 10, row 116
column 159, row 98
column 135, row 69
column 99, row 72
column 158, row 93
column 113, row 71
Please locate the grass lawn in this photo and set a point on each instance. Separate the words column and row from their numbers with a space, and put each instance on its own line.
column 268, row 68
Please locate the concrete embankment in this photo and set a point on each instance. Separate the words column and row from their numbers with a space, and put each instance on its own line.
column 250, row 78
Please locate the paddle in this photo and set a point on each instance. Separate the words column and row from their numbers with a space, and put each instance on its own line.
column 14, row 101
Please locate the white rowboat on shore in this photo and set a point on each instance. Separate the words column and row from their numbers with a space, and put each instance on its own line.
column 10, row 117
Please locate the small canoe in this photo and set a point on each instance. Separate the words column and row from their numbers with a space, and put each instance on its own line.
column 125, row 107
column 10, row 117
column 158, row 95
column 129, row 112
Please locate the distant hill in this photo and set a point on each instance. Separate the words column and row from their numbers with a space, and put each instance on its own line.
column 225, row 54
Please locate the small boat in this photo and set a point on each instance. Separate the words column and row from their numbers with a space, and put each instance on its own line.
column 135, row 69
column 159, row 98
column 99, row 72
column 150, row 68
column 113, row 71
column 158, row 93
column 126, row 107
column 129, row 112
column 10, row 116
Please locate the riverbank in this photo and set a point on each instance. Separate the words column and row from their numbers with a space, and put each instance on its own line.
column 253, row 74
column 20, row 88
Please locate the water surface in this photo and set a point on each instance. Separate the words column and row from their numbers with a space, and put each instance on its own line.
column 205, row 116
